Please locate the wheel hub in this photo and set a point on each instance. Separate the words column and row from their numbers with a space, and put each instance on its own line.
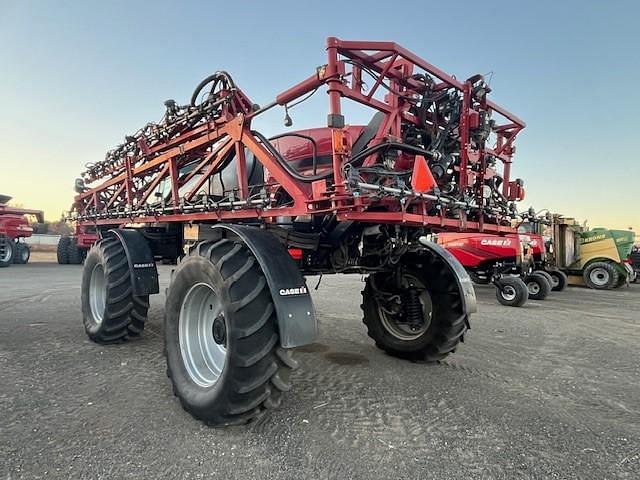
column 533, row 288
column 219, row 330
column 599, row 276
column 406, row 314
column 508, row 292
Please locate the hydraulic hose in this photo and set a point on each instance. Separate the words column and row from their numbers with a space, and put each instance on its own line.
column 303, row 178
column 314, row 147
column 211, row 78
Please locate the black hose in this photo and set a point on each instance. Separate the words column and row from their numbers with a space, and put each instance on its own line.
column 211, row 78
column 285, row 164
column 314, row 146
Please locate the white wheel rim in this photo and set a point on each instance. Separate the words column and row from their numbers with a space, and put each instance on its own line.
column 599, row 276
column 6, row 252
column 97, row 294
column 508, row 293
column 203, row 358
column 533, row 288
column 554, row 280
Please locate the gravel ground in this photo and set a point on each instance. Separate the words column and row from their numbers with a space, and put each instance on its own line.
column 551, row 390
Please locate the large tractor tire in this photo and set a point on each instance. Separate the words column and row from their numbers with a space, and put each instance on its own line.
column 511, row 291
column 538, row 286
column 418, row 317
column 601, row 276
column 110, row 311
column 63, row 250
column 22, row 253
column 559, row 280
column 75, row 255
column 221, row 336
column 7, row 251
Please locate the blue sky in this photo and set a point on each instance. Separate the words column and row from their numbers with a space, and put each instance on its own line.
column 77, row 76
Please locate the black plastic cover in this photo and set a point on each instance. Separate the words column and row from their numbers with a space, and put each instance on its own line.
column 142, row 265
column 296, row 317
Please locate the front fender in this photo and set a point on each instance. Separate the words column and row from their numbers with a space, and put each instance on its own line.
column 294, row 308
column 144, row 275
column 463, row 281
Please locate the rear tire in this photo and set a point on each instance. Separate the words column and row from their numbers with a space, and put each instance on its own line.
column 600, row 276
column 22, row 253
column 110, row 311
column 221, row 336
column 7, row 251
column 444, row 320
column 559, row 280
column 511, row 292
column 75, row 255
column 63, row 250
column 538, row 286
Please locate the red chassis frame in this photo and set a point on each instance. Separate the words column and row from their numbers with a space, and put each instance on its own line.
column 124, row 187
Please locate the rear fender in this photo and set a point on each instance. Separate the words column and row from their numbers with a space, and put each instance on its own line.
column 297, row 322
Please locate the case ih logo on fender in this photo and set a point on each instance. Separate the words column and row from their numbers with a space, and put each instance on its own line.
column 293, row 291
column 496, row 242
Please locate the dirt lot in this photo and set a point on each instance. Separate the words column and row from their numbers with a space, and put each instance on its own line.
column 551, row 390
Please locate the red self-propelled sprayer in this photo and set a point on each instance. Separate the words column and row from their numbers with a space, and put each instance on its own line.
column 256, row 215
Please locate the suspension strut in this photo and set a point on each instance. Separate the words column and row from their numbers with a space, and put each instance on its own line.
column 414, row 315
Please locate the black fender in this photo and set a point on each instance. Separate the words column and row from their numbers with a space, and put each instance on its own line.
column 142, row 265
column 294, row 308
column 463, row 281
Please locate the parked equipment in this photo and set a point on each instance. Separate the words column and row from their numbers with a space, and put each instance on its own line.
column 541, row 261
column 73, row 249
column 14, row 228
column 505, row 261
column 597, row 258
column 253, row 216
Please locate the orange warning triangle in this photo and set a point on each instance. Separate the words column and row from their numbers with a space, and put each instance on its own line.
column 421, row 180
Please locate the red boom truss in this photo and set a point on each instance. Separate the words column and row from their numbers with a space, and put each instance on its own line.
column 194, row 142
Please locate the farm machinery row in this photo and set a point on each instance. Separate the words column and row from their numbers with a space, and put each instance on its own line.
column 14, row 229
column 247, row 218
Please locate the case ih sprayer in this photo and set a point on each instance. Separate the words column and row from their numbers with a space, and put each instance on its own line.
column 255, row 216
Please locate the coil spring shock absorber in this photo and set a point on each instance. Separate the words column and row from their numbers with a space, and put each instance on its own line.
column 413, row 308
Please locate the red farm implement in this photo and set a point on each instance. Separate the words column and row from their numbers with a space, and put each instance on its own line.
column 510, row 262
column 14, row 228
column 256, row 215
